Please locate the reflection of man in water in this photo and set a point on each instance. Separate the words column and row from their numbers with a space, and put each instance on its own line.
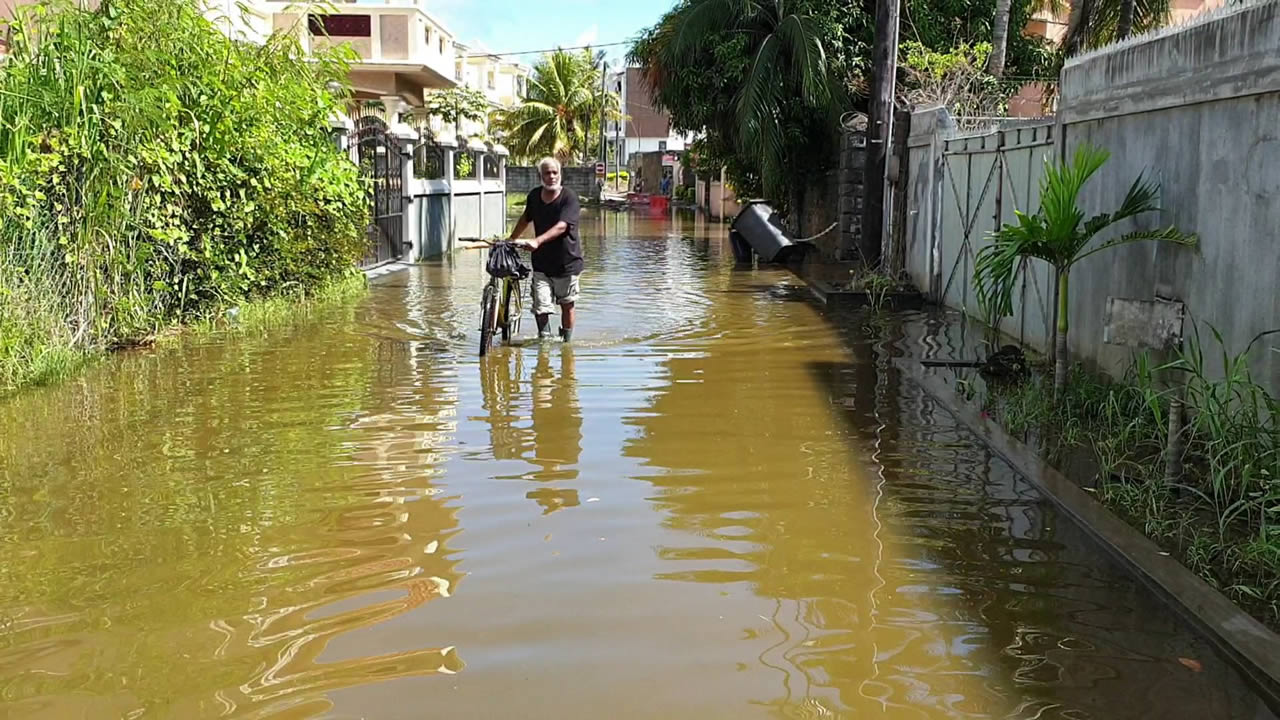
column 557, row 429
column 499, row 389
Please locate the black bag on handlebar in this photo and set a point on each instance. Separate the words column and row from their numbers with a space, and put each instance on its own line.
column 505, row 262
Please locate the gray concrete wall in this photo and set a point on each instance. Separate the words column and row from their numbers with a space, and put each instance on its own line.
column 466, row 214
column 1196, row 108
column 431, row 212
column 819, row 208
column 582, row 180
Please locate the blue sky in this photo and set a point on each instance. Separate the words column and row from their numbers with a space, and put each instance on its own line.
column 517, row 25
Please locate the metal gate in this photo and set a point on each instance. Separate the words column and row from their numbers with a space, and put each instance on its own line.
column 987, row 177
column 378, row 156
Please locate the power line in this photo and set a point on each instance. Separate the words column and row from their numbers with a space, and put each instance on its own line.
column 547, row 50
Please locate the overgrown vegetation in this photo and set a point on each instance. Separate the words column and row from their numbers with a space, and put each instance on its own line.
column 155, row 173
column 1222, row 519
column 766, row 82
column 957, row 79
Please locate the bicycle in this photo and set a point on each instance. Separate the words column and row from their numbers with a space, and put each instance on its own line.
column 501, row 306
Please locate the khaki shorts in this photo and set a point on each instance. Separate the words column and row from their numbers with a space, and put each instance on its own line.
column 551, row 291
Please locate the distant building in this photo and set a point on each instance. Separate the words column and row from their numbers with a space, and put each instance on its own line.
column 403, row 49
column 645, row 129
column 503, row 82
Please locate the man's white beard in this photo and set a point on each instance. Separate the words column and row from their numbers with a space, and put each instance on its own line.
column 553, row 187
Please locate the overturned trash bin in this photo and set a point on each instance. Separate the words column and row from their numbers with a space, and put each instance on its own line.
column 758, row 228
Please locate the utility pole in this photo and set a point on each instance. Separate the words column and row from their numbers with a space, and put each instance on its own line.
column 884, row 69
column 617, row 131
column 604, row 93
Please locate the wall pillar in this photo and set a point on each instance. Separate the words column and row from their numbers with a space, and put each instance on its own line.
column 480, row 182
column 341, row 127
column 451, row 236
column 853, row 147
column 392, row 107
column 411, row 242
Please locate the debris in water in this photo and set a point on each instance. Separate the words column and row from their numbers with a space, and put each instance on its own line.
column 1193, row 665
column 593, row 499
column 431, row 547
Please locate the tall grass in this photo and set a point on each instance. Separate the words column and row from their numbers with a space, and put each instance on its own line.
column 1222, row 517
column 152, row 171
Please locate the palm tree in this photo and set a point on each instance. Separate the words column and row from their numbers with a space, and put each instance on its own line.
column 999, row 38
column 560, row 113
column 1000, row 29
column 790, row 72
column 1059, row 235
column 1094, row 23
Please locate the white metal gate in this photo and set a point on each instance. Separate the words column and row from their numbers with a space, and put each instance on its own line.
column 984, row 179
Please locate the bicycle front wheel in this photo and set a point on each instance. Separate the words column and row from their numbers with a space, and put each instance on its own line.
column 510, row 310
column 488, row 317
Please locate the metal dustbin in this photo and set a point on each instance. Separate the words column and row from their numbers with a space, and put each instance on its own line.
column 760, row 229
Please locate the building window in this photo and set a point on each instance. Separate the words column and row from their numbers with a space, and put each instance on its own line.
column 662, row 146
column 492, row 82
column 457, row 71
column 340, row 25
column 441, row 44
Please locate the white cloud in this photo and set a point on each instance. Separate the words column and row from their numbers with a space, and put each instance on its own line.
column 588, row 37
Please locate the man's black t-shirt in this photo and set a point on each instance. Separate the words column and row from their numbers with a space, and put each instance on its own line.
column 563, row 255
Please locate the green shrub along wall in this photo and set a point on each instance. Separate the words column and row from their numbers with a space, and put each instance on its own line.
column 152, row 173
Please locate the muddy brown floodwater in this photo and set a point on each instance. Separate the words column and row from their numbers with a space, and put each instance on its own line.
column 719, row 502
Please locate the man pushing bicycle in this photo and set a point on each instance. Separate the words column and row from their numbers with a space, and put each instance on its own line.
column 557, row 252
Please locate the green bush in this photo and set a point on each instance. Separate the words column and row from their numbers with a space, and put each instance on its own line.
column 154, row 172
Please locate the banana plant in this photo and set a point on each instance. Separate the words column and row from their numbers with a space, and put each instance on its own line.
column 1059, row 234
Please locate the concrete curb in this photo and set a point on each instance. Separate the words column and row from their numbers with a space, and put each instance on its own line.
column 825, row 293
column 893, row 300
column 385, row 269
column 1247, row 644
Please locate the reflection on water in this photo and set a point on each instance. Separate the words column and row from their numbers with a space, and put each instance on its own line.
column 718, row 502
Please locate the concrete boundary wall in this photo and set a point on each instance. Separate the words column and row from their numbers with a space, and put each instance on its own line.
column 1196, row 108
column 582, row 180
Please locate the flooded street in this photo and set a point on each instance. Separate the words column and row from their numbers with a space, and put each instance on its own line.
column 719, row 501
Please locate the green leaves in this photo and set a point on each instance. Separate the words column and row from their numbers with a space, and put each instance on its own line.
column 1058, row 232
column 761, row 77
column 560, row 114
column 454, row 104
column 765, row 81
column 172, row 168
